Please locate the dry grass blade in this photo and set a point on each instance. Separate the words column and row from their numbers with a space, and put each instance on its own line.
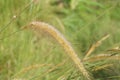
column 50, row 30
column 113, row 77
column 94, row 46
column 102, row 67
column 102, row 57
column 30, row 68
column 49, row 70
column 53, row 68
column 19, row 79
column 60, row 24
column 116, row 49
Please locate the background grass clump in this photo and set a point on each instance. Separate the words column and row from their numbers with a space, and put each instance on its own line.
column 23, row 55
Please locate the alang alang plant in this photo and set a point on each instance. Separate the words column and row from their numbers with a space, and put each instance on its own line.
column 50, row 30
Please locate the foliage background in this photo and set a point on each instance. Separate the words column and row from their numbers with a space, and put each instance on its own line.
column 83, row 22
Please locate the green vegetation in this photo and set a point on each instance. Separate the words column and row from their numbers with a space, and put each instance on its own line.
column 86, row 24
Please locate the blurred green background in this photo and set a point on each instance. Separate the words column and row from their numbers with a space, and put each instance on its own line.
column 24, row 56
